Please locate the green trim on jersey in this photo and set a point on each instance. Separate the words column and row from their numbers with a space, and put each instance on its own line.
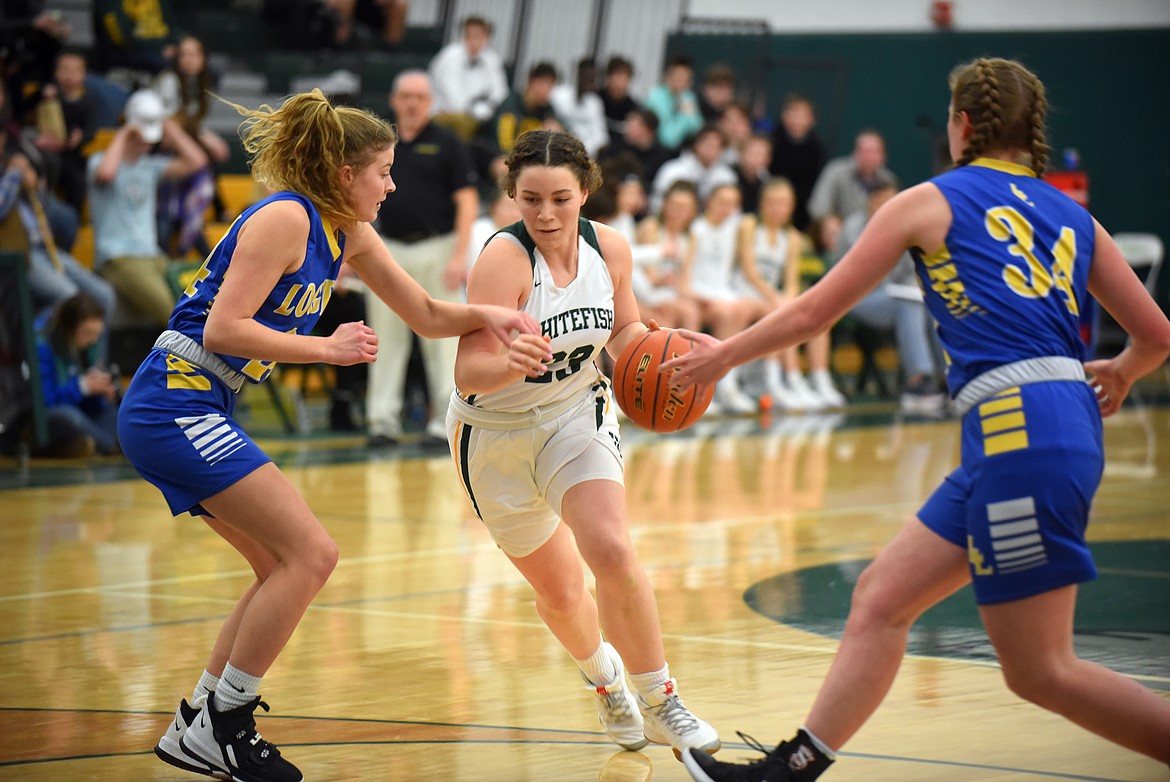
column 584, row 228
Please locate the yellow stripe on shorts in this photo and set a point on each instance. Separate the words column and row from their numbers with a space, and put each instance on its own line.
column 1004, row 425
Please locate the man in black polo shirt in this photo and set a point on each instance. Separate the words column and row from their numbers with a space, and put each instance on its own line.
column 426, row 224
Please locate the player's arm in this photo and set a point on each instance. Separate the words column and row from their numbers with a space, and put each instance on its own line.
column 426, row 316
column 501, row 277
column 917, row 217
column 1113, row 282
column 627, row 320
column 271, row 244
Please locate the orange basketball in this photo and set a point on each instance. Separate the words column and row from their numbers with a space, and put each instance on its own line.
column 644, row 394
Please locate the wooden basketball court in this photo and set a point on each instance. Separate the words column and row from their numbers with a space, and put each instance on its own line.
column 424, row 659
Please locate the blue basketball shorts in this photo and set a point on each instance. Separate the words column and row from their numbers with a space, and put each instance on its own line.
column 1032, row 458
column 176, row 427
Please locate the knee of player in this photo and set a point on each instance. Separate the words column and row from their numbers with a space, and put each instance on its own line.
column 1035, row 678
column 322, row 559
column 873, row 603
column 611, row 556
column 563, row 595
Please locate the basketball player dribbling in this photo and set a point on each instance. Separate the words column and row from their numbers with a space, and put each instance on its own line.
column 534, row 433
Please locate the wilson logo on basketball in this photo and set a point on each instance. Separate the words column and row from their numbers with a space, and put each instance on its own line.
column 645, row 393
column 674, row 401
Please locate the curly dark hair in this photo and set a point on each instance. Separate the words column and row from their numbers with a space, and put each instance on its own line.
column 551, row 148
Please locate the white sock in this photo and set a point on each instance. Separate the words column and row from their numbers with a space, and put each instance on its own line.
column 236, row 688
column 647, row 683
column 207, row 684
column 821, row 746
column 599, row 667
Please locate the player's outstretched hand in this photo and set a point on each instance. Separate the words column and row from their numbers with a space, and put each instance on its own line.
column 528, row 354
column 505, row 322
column 701, row 364
column 352, row 343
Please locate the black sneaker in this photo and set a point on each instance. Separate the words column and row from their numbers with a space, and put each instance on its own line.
column 229, row 742
column 790, row 761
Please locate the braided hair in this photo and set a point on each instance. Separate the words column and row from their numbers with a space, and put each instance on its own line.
column 1007, row 106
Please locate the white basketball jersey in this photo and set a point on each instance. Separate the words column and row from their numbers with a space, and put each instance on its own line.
column 714, row 260
column 578, row 318
column 772, row 256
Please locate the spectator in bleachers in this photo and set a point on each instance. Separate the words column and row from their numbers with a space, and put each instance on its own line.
column 78, row 115
column 581, row 109
column 897, row 304
column 469, row 79
column 639, row 141
column 185, row 89
column 30, row 38
column 675, row 103
column 702, row 164
column 717, row 92
column 770, row 250
column 632, row 203
column 751, row 170
column 123, row 198
column 736, row 123
column 80, row 396
column 138, row 36
column 315, row 24
column 383, row 21
column 426, row 225
column 710, row 279
column 797, row 152
column 662, row 250
column 615, row 94
column 62, row 219
column 54, row 274
column 845, row 183
column 521, row 112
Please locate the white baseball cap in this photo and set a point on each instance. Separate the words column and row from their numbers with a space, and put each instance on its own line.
column 145, row 111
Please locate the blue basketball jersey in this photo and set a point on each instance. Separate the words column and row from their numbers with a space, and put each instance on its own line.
column 1011, row 280
column 295, row 303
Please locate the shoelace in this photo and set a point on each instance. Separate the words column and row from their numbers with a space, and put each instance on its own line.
column 615, row 704
column 771, row 756
column 267, row 750
column 676, row 716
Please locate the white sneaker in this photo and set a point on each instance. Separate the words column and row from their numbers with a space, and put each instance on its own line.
column 668, row 721
column 229, row 742
column 731, row 400
column 616, row 708
column 803, row 393
column 822, row 386
column 168, row 749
